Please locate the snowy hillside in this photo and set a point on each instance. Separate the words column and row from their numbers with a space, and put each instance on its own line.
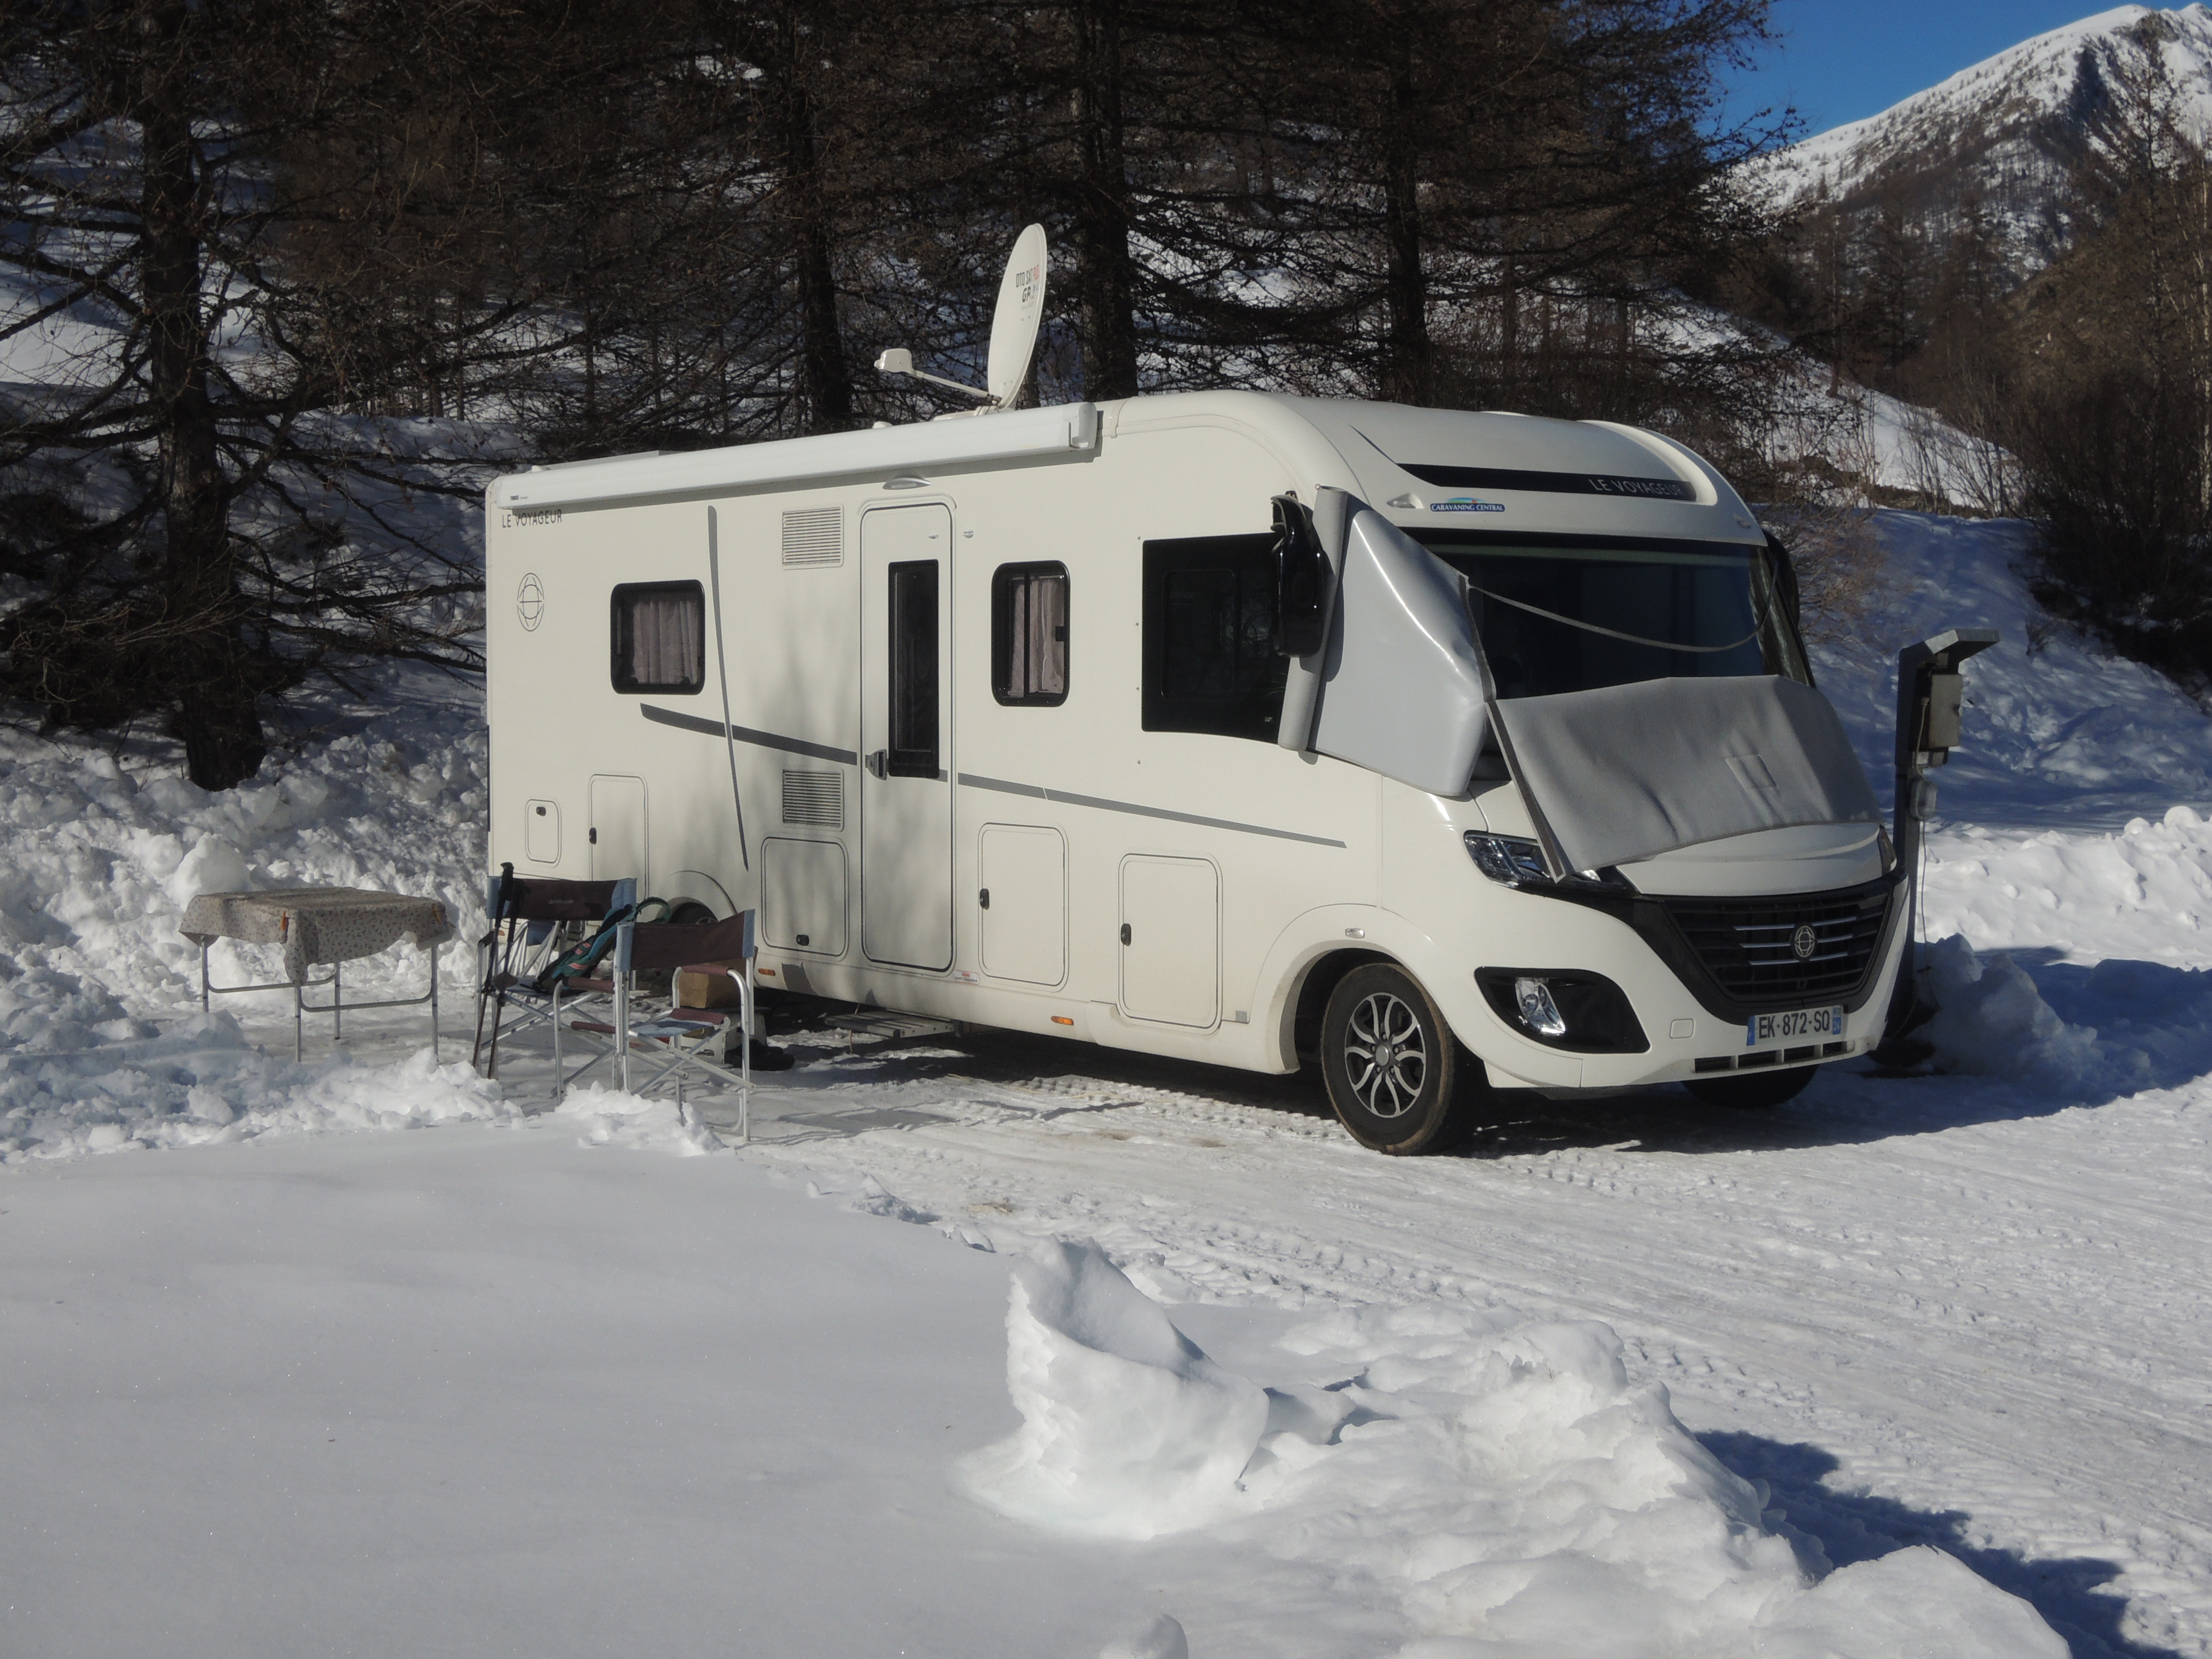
column 2005, row 129
column 1911, row 1362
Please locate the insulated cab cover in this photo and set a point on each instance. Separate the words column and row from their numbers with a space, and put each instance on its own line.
column 1628, row 772
column 1609, row 775
column 1402, row 688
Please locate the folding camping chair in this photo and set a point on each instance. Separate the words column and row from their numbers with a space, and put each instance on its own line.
column 682, row 1041
column 538, row 965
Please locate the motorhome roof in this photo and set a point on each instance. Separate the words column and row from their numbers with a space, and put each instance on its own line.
column 1387, row 446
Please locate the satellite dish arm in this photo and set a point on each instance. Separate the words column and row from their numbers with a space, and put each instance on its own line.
column 899, row 361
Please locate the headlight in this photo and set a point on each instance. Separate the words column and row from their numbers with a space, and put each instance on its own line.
column 1508, row 859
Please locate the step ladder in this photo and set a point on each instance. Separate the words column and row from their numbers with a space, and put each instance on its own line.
column 876, row 1028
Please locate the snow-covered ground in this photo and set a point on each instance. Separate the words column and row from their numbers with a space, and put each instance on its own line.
column 1911, row 1365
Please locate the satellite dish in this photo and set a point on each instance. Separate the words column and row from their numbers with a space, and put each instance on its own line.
column 1014, row 325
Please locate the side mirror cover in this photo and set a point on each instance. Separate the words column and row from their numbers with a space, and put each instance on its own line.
column 1785, row 579
column 1302, row 580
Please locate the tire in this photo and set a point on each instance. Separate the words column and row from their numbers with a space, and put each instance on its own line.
column 690, row 912
column 1755, row 1093
column 1414, row 1101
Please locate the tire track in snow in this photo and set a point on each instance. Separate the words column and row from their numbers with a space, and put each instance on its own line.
column 1970, row 1318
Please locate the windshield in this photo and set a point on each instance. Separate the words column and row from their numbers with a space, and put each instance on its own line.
column 1571, row 613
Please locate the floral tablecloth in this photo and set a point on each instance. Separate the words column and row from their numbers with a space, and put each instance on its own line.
column 316, row 924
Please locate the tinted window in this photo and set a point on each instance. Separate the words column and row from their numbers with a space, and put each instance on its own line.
column 659, row 637
column 1210, row 659
column 913, row 588
column 1028, row 634
column 1573, row 613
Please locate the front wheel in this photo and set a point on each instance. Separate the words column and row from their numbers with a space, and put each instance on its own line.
column 1754, row 1093
column 1395, row 1074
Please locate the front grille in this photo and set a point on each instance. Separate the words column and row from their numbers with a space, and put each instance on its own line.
column 1748, row 946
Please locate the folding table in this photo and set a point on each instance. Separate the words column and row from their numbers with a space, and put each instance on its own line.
column 318, row 926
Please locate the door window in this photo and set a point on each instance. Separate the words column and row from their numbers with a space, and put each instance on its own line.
column 913, row 593
column 1029, row 634
column 1210, row 659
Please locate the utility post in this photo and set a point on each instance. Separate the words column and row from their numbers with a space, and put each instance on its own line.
column 1930, row 701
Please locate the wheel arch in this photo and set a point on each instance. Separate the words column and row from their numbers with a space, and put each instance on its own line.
column 1309, row 996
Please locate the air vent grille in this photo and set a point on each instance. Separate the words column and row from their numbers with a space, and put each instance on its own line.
column 814, row 535
column 814, row 798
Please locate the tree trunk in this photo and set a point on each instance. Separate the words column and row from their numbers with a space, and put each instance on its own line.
column 1409, row 364
column 219, row 715
column 1105, row 276
column 825, row 379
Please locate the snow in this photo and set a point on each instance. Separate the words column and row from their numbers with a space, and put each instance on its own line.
column 2001, row 128
column 1019, row 1347
column 1128, row 1430
column 1571, row 1499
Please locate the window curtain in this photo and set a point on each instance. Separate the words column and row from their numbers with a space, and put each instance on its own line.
column 668, row 640
column 1039, row 667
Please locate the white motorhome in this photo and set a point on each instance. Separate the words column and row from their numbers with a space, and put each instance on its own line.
column 1447, row 749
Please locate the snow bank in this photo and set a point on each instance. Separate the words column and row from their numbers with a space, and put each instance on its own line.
column 102, row 1043
column 2142, row 889
column 1163, row 1639
column 1127, row 1428
column 97, row 861
column 1917, row 1603
column 2060, row 734
column 1992, row 1020
column 2068, row 1032
column 1503, row 1481
column 123, row 1085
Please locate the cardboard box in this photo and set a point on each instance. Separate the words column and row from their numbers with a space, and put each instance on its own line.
column 713, row 989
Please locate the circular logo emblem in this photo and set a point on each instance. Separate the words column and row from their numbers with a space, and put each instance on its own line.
column 1804, row 941
column 530, row 604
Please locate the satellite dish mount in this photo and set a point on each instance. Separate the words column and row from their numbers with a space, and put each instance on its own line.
column 1013, row 330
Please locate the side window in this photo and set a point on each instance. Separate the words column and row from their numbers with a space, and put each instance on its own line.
column 1029, row 634
column 1210, row 659
column 913, row 589
column 660, row 642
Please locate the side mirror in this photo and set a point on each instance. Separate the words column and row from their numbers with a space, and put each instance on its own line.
column 1785, row 581
column 1302, row 580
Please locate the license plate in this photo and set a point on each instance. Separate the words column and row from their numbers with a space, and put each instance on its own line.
column 1798, row 1026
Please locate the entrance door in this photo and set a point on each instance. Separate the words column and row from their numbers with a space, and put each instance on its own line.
column 906, row 730
column 617, row 831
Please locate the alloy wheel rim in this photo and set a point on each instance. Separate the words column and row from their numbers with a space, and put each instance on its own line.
column 1386, row 1055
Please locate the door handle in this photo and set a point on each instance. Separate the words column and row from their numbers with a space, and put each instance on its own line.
column 876, row 762
column 983, row 897
column 1125, row 932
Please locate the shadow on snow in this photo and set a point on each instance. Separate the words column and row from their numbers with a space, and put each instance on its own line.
column 2073, row 1594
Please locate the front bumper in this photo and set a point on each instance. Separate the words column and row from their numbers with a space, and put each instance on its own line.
column 1697, row 970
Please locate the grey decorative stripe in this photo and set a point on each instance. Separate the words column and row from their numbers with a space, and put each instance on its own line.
column 1035, row 792
column 746, row 734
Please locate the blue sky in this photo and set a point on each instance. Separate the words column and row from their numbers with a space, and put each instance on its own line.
column 1843, row 59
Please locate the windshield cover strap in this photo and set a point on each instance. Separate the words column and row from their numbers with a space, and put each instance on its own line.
column 1615, row 632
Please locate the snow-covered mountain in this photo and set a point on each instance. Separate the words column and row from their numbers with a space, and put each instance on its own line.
column 2004, row 131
